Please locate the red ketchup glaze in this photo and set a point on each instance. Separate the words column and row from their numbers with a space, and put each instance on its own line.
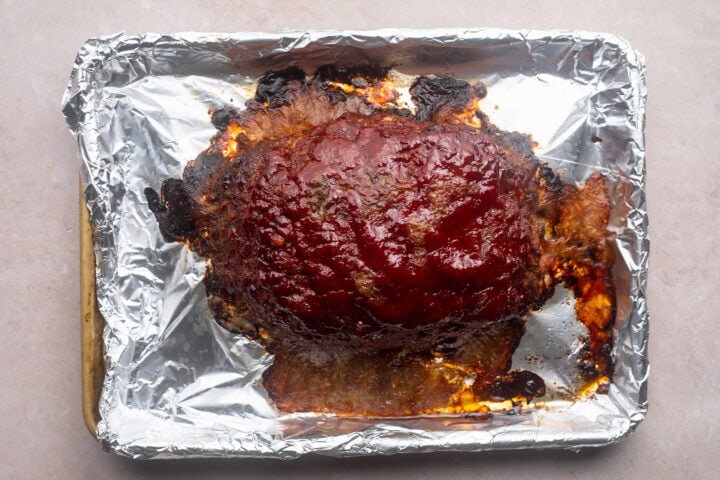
column 376, row 231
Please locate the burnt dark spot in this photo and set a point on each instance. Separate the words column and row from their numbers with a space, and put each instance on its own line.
column 530, row 384
column 174, row 210
column 200, row 170
column 334, row 95
column 431, row 93
column 212, row 282
column 593, row 253
column 275, row 88
column 518, row 383
column 554, row 183
column 154, row 203
column 519, row 142
column 222, row 116
column 588, row 369
column 400, row 112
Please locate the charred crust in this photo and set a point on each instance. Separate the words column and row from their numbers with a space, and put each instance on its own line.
column 155, row 205
column 334, row 95
column 517, row 141
column 197, row 172
column 174, row 210
column 359, row 76
column 399, row 112
column 275, row 88
column 431, row 93
column 221, row 117
column 521, row 143
column 553, row 183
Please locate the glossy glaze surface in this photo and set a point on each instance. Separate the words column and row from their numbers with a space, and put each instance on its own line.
column 369, row 227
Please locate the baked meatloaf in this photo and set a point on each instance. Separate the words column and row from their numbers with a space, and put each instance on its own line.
column 387, row 256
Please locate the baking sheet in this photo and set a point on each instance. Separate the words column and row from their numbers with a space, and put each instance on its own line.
column 179, row 385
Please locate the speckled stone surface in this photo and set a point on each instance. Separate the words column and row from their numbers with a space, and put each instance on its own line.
column 42, row 434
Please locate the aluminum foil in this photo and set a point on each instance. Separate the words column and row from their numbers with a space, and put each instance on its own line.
column 177, row 384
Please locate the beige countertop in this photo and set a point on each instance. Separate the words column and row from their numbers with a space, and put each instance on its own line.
column 42, row 434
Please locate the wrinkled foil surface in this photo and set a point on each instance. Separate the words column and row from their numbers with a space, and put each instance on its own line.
column 177, row 384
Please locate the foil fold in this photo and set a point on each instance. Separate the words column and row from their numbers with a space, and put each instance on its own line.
column 178, row 385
